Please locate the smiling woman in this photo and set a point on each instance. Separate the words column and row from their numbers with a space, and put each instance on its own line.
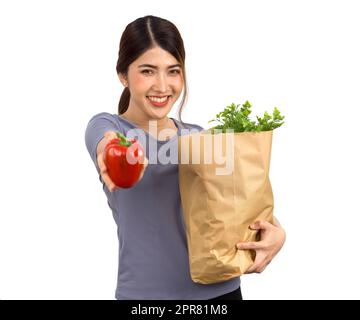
column 160, row 100
column 151, row 66
column 153, row 250
column 153, row 255
column 153, row 85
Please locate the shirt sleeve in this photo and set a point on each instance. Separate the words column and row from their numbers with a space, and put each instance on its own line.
column 95, row 130
column 196, row 126
column 192, row 126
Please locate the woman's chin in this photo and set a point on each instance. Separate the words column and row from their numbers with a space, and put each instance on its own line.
column 159, row 114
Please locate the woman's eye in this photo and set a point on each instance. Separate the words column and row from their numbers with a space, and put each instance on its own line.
column 146, row 71
column 175, row 71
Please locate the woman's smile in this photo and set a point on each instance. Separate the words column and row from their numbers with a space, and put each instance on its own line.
column 159, row 101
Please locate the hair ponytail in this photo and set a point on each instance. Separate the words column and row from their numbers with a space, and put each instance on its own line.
column 124, row 101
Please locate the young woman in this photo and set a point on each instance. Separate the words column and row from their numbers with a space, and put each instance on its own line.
column 153, row 256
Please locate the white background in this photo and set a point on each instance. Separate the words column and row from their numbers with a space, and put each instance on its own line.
column 57, row 69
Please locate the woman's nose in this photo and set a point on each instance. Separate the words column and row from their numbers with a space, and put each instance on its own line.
column 161, row 83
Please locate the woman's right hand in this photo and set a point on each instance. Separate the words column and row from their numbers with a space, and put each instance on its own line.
column 108, row 136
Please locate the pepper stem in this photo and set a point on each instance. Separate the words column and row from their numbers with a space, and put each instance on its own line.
column 123, row 140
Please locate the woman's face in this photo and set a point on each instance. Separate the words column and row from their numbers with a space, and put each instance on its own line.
column 153, row 78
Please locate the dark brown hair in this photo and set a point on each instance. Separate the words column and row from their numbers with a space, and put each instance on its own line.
column 141, row 35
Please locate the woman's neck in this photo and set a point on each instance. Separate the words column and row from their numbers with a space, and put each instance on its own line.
column 143, row 122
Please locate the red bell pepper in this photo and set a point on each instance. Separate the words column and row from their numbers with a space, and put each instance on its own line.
column 124, row 160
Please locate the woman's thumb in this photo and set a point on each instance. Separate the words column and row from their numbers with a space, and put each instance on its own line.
column 109, row 135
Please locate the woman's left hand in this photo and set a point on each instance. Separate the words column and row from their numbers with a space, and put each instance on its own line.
column 272, row 238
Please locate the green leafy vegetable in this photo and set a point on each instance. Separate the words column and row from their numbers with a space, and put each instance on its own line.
column 237, row 118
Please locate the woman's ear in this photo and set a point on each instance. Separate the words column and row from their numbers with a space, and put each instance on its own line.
column 122, row 79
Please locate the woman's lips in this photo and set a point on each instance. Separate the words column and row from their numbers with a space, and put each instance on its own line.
column 159, row 102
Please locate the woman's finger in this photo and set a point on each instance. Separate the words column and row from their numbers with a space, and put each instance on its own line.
column 144, row 167
column 259, row 262
column 252, row 268
column 146, row 162
column 109, row 135
column 255, row 245
column 262, row 224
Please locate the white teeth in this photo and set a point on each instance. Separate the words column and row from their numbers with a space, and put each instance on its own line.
column 159, row 100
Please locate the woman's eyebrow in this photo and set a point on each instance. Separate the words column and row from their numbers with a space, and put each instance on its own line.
column 155, row 67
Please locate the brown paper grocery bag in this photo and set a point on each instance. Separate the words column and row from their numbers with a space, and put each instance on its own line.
column 221, row 199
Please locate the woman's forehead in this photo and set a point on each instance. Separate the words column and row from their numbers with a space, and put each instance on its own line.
column 156, row 57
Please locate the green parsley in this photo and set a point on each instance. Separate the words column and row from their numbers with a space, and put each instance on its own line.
column 236, row 118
